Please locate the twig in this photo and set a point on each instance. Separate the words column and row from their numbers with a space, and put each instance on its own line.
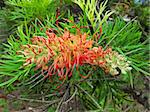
column 63, row 98
column 38, row 101
column 33, row 77
column 38, row 81
column 127, row 109
column 99, row 110
column 50, row 95
column 33, row 100
column 72, row 96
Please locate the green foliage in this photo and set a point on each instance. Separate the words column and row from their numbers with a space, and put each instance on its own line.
column 11, row 63
column 93, row 11
column 12, row 66
column 21, row 10
column 125, row 38
column 100, row 91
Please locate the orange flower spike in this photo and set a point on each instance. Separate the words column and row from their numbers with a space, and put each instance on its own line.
column 66, row 52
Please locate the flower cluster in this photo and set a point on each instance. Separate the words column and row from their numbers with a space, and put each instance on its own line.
column 114, row 61
column 61, row 55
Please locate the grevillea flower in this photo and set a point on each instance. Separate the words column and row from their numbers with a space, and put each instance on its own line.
column 114, row 61
column 61, row 55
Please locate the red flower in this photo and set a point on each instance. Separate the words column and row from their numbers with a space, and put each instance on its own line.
column 66, row 53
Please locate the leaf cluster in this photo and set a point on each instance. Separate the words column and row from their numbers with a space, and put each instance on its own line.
column 94, row 12
column 21, row 10
column 126, row 39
